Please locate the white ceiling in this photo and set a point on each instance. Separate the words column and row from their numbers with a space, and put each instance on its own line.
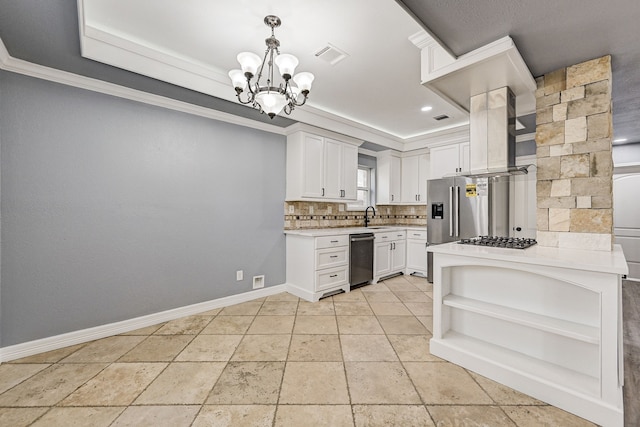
column 194, row 43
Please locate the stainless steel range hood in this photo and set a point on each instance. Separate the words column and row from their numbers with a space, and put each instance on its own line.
column 493, row 135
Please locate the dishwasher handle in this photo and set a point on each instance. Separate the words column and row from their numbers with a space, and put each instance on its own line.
column 361, row 239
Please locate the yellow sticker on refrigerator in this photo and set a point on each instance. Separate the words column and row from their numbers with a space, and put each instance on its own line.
column 471, row 190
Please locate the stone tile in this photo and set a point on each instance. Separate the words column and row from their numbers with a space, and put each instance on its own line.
column 534, row 416
column 377, row 287
column 421, row 308
column 249, row 308
column 601, row 164
column 272, row 325
column 232, row 325
column 308, row 325
column 50, row 386
column 555, row 81
column 409, row 297
column 210, row 348
column 212, row 312
column 575, row 130
column 561, row 149
column 589, row 71
column 157, row 416
column 262, row 348
column 558, row 111
column 381, row 296
column 314, row 383
column 118, row 384
column 315, row 348
column 355, row 295
column 278, row 308
column 391, row 415
column 12, row 374
column 441, row 383
column 390, row 309
column 588, row 106
column 359, row 325
column 548, row 238
column 323, row 307
column 583, row 202
column 544, row 115
column 572, row 94
column 450, row 416
column 548, row 168
column 542, row 219
column 550, row 133
column 252, row 383
column 599, row 126
column 421, row 283
column 561, row 188
column 157, row 348
column 190, row 325
column 402, row 325
column 603, row 87
column 502, row 394
column 314, row 416
column 144, row 331
column 235, row 415
column 597, row 186
column 559, row 219
column 76, row 417
column 413, row 348
column 592, row 146
column 367, row 348
column 52, row 356
column 592, row 221
column 601, row 202
column 282, row 296
column 104, row 350
column 20, row 417
column 574, row 166
column 556, row 202
column 182, row 383
column 543, row 151
column 352, row 308
column 380, row 383
column 548, row 100
column 427, row 321
column 405, row 286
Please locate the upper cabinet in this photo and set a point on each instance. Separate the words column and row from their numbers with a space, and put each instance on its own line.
column 389, row 171
column 449, row 160
column 321, row 166
column 415, row 173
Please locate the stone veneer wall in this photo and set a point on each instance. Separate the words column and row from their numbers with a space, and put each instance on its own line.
column 334, row 215
column 574, row 157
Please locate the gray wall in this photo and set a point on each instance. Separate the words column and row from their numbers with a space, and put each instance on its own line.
column 113, row 209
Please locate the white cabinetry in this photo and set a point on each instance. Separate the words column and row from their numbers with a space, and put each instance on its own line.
column 389, row 178
column 416, row 252
column 390, row 253
column 449, row 160
column 317, row 265
column 321, row 167
column 415, row 173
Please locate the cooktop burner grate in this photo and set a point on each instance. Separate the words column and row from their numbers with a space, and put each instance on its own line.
column 499, row 242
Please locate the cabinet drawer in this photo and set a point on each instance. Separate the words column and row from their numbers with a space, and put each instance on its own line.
column 332, row 241
column 413, row 234
column 390, row 236
column 331, row 257
column 331, row 278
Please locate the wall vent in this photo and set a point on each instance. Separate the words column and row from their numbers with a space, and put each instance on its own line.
column 331, row 54
column 441, row 117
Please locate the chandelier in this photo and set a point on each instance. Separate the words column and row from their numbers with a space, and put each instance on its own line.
column 269, row 98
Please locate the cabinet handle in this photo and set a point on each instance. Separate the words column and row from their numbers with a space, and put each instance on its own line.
column 390, row 246
column 334, row 241
column 384, row 237
column 392, row 197
column 334, row 275
column 333, row 256
column 415, row 234
column 322, row 192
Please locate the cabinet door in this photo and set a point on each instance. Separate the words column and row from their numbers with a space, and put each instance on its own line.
column 382, row 258
column 312, row 174
column 410, row 179
column 398, row 255
column 423, row 177
column 465, row 157
column 444, row 161
column 349, row 176
column 396, row 179
column 332, row 168
column 416, row 255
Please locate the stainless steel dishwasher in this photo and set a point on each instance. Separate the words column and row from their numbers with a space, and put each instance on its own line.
column 360, row 259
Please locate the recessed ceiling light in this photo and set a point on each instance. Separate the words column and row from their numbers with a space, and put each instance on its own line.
column 620, row 140
column 426, row 108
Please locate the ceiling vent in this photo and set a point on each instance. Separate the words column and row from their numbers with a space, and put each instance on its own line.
column 441, row 117
column 331, row 54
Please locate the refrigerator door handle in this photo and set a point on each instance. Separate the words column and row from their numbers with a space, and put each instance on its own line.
column 457, row 214
column 450, row 211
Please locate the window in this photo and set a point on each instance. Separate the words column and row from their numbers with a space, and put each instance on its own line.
column 366, row 176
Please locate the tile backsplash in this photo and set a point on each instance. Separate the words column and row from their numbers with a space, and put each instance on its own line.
column 305, row 215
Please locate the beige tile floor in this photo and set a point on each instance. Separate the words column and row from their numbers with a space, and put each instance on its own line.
column 355, row 359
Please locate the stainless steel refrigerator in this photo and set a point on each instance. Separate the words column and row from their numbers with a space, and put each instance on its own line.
column 461, row 208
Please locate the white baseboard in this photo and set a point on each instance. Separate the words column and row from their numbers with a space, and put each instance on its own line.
column 55, row 342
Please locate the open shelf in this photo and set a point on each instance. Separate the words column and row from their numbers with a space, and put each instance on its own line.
column 577, row 331
column 517, row 363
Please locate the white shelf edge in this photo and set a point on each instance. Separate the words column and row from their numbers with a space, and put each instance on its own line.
column 577, row 331
column 538, row 370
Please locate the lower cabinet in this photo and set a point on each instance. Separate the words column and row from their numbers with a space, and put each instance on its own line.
column 390, row 254
column 317, row 265
column 416, row 252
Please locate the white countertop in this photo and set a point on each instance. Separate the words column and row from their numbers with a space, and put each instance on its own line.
column 598, row 261
column 317, row 232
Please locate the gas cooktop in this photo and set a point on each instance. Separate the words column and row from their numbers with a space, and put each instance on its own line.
column 499, row 242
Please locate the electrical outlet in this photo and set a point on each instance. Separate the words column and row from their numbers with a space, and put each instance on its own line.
column 413, row 211
column 258, row 282
column 292, row 209
column 239, row 275
column 310, row 210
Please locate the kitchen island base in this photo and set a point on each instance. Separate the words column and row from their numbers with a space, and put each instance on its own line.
column 544, row 321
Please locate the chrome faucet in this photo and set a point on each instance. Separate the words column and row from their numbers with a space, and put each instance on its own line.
column 366, row 215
